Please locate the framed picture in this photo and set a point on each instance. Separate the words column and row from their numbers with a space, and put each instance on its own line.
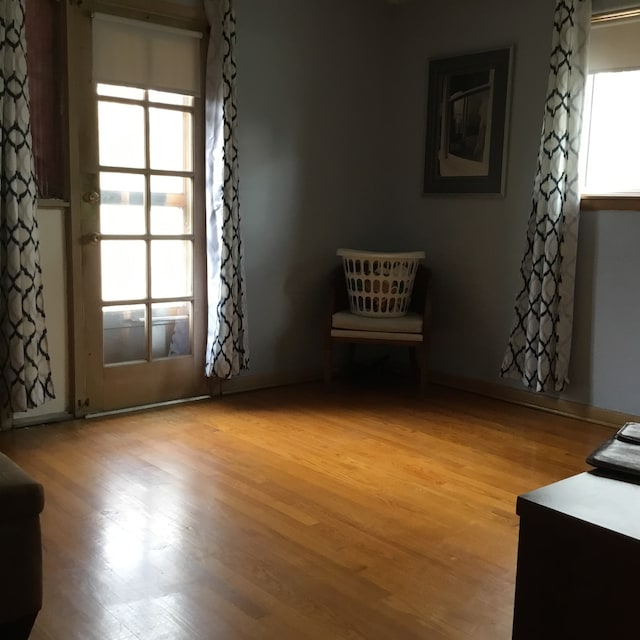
column 466, row 128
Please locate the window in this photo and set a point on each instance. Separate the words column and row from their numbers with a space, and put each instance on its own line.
column 611, row 127
column 146, row 79
column 146, row 186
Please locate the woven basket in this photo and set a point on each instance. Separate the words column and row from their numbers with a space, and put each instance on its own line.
column 379, row 284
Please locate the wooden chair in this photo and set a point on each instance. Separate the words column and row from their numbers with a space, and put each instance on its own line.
column 411, row 330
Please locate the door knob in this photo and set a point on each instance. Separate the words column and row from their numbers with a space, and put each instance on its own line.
column 93, row 197
column 92, row 238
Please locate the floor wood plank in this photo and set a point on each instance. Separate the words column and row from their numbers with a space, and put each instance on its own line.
column 292, row 513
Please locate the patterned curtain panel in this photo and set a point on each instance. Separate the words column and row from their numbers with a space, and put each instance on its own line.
column 26, row 374
column 540, row 342
column 227, row 341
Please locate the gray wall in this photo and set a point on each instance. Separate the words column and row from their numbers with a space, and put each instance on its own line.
column 473, row 244
column 332, row 103
column 606, row 348
column 312, row 87
column 606, row 6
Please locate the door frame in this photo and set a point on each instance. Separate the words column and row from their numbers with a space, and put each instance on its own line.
column 81, row 124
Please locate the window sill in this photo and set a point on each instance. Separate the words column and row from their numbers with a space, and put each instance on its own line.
column 610, row 203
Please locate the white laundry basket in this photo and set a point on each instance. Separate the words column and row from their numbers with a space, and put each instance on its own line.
column 379, row 284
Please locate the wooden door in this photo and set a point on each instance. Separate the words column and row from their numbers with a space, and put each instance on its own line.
column 138, row 209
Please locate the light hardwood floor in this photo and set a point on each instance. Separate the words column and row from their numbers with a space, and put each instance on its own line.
column 292, row 513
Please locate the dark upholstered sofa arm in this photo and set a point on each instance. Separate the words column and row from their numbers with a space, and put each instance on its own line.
column 21, row 502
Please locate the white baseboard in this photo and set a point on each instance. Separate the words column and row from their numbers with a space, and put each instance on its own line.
column 44, row 418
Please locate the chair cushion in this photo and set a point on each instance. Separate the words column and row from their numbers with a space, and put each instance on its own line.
column 410, row 323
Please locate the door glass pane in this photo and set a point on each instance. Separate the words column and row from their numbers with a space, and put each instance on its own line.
column 122, row 203
column 123, row 333
column 121, row 135
column 124, row 269
column 170, row 140
column 170, row 205
column 171, row 268
column 170, row 329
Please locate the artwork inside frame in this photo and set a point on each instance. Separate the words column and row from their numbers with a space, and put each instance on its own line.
column 467, row 120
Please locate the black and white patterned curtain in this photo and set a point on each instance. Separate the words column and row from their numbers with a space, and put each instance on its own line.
column 540, row 343
column 25, row 380
column 227, row 340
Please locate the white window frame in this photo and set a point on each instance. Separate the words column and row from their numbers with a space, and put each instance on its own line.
column 622, row 201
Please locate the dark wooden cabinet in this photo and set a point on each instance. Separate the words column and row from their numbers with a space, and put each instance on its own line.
column 578, row 574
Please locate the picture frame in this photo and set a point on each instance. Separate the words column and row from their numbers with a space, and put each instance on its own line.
column 468, row 99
